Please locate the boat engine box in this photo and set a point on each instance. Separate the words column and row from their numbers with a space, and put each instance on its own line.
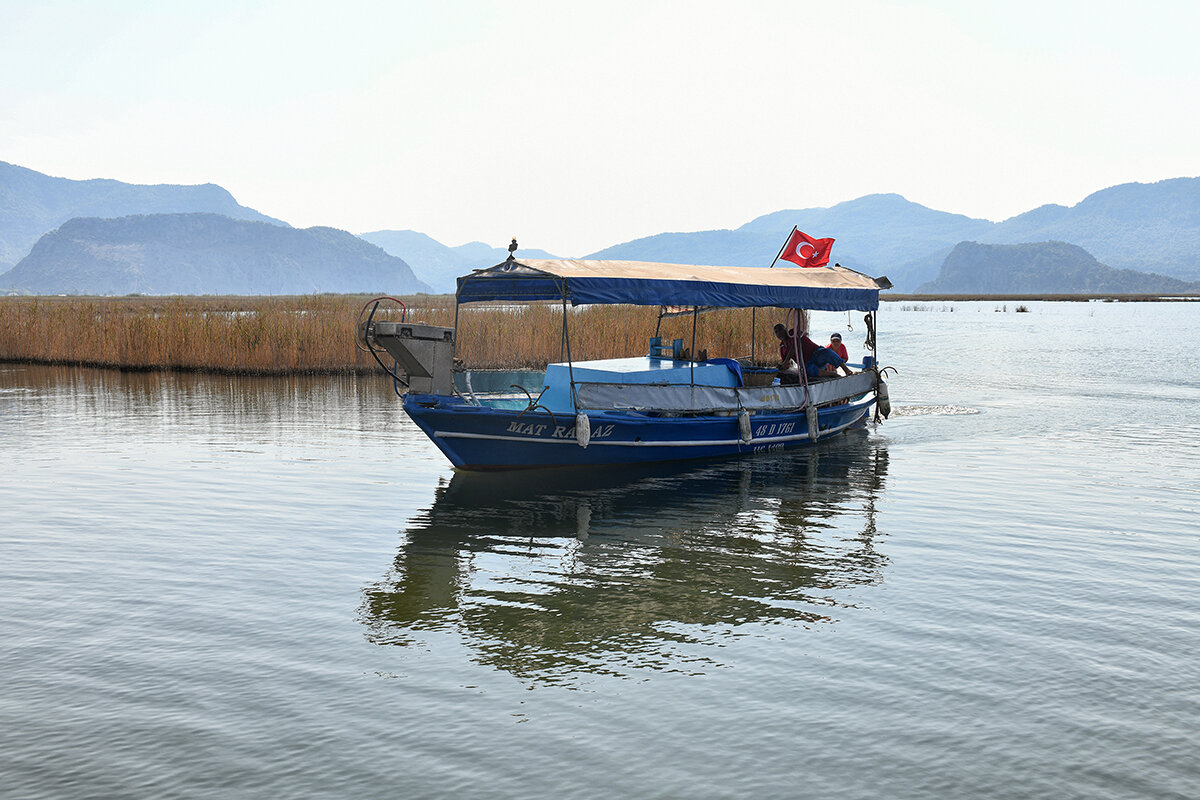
column 424, row 353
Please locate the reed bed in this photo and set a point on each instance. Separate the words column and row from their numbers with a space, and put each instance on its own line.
column 533, row 336
column 254, row 335
column 315, row 334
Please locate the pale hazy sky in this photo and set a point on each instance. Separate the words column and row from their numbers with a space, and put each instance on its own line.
column 579, row 125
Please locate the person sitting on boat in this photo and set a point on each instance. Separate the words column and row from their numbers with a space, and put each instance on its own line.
column 818, row 361
column 835, row 344
column 789, row 370
column 821, row 361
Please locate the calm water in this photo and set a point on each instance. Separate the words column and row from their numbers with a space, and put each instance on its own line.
column 215, row 587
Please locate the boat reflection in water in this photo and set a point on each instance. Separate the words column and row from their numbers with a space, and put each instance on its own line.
column 555, row 576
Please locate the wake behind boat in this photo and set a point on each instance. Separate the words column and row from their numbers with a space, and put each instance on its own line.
column 662, row 406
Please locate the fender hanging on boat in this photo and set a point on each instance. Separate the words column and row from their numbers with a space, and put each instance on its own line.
column 583, row 430
column 744, row 426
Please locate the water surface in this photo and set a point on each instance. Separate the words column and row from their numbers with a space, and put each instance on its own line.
column 220, row 587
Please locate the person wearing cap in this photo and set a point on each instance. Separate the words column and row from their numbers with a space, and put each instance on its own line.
column 821, row 361
column 835, row 344
column 818, row 361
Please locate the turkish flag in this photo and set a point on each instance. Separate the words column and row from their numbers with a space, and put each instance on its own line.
column 805, row 251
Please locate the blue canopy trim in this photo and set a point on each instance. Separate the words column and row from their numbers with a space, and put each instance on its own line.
column 637, row 283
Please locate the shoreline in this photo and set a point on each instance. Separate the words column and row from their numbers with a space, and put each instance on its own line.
column 217, row 370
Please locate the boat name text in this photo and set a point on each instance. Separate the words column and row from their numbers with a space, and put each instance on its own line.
column 557, row 432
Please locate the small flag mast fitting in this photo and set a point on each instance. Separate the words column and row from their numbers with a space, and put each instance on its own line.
column 785, row 244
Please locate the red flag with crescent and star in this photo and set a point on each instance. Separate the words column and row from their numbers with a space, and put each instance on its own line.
column 805, row 251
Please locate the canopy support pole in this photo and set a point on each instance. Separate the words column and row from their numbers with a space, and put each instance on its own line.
column 753, row 332
column 570, row 366
column 692, row 361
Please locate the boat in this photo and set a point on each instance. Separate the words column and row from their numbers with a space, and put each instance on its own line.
column 665, row 405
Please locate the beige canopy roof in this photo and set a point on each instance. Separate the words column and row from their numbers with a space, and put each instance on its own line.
column 828, row 277
column 647, row 283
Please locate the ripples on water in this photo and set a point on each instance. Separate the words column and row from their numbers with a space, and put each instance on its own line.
column 219, row 587
column 925, row 411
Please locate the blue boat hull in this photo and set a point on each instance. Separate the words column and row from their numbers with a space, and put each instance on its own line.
column 482, row 438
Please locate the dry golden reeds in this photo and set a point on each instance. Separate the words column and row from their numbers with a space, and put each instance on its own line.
column 315, row 334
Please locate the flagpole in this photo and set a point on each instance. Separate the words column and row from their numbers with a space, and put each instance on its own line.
column 785, row 244
column 754, row 312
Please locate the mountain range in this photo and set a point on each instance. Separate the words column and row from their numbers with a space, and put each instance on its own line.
column 1042, row 268
column 33, row 204
column 1136, row 228
column 205, row 254
column 1144, row 227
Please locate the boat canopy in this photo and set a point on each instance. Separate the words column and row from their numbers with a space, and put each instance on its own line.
column 649, row 284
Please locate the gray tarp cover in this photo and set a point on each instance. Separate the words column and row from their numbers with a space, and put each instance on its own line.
column 705, row 399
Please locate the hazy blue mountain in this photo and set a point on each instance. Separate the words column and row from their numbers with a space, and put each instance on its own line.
column 879, row 234
column 878, row 229
column 912, row 274
column 1041, row 268
column 437, row 264
column 204, row 254
column 430, row 260
column 477, row 255
column 1152, row 227
column 1146, row 227
column 720, row 248
column 32, row 204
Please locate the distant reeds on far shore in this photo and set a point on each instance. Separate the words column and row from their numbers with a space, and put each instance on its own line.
column 315, row 333
column 238, row 335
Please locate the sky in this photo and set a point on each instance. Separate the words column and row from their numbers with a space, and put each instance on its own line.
column 575, row 126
